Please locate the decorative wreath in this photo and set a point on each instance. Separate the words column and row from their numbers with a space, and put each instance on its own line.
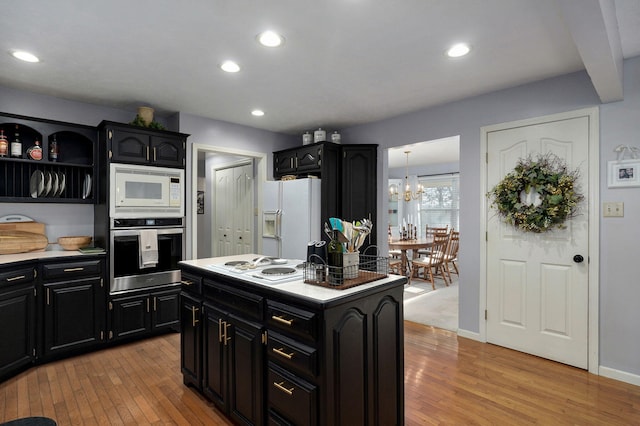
column 538, row 195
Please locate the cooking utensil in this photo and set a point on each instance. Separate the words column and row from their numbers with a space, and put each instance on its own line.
column 336, row 225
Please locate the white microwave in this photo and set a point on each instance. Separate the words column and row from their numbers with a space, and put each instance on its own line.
column 145, row 191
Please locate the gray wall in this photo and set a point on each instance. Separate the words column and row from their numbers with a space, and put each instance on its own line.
column 619, row 123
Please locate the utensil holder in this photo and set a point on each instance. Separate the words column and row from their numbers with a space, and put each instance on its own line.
column 350, row 262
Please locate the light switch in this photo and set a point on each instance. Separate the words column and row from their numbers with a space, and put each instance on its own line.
column 613, row 209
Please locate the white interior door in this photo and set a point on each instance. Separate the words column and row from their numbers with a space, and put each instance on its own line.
column 234, row 224
column 243, row 206
column 537, row 295
column 223, row 218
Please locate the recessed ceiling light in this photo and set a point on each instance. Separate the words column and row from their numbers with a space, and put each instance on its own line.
column 270, row 39
column 257, row 112
column 25, row 56
column 458, row 50
column 230, row 66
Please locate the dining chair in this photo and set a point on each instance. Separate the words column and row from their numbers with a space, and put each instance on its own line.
column 451, row 255
column 395, row 266
column 433, row 263
column 429, row 232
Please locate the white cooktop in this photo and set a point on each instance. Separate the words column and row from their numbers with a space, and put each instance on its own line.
column 294, row 286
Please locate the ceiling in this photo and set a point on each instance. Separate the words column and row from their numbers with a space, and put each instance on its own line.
column 344, row 62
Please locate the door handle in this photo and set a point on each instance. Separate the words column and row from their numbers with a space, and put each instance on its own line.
column 194, row 312
column 578, row 258
column 226, row 336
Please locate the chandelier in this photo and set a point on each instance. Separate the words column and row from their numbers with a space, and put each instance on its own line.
column 408, row 194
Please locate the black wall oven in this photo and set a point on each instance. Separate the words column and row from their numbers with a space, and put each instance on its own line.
column 126, row 271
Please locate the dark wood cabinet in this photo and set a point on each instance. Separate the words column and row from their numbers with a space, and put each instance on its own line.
column 18, row 319
column 49, row 180
column 359, row 186
column 307, row 159
column 191, row 330
column 73, row 305
column 297, row 360
column 233, row 360
column 191, row 340
column 131, row 144
column 142, row 313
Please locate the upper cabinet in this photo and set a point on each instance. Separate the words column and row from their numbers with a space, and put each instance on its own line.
column 62, row 171
column 307, row 159
column 136, row 145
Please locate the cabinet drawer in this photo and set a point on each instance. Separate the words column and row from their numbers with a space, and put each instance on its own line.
column 71, row 270
column 291, row 397
column 291, row 354
column 16, row 276
column 292, row 320
column 234, row 299
column 191, row 283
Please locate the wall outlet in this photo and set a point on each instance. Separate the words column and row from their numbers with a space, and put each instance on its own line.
column 613, row 209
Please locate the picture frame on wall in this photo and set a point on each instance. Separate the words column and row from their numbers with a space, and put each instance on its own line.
column 200, row 207
column 624, row 173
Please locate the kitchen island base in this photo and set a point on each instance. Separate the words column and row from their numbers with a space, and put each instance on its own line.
column 293, row 353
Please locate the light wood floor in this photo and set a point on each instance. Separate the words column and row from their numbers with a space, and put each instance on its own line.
column 448, row 380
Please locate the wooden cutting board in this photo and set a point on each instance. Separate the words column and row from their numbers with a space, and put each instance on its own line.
column 35, row 227
column 21, row 242
column 22, row 237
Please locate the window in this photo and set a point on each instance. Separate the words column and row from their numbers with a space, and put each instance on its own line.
column 439, row 204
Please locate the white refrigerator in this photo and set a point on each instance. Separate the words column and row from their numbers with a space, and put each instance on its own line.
column 290, row 217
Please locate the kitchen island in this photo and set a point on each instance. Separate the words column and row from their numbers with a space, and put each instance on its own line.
column 288, row 352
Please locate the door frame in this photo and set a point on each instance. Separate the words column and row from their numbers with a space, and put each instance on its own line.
column 191, row 213
column 593, row 202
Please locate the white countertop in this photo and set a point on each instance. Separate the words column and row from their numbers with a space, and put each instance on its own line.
column 296, row 287
column 35, row 255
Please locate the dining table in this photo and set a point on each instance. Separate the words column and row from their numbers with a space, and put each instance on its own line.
column 404, row 245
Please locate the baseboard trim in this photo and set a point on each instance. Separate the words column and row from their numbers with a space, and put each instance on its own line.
column 469, row 335
column 622, row 376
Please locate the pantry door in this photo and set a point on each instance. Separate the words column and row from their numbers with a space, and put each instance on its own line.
column 537, row 285
column 233, row 207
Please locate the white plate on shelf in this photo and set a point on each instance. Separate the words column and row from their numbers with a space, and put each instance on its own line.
column 54, row 185
column 63, row 183
column 86, row 186
column 36, row 183
column 47, row 184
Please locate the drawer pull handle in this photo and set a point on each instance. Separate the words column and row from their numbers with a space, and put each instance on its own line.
column 281, row 352
column 282, row 320
column 19, row 277
column 283, row 389
column 73, row 269
column 187, row 282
